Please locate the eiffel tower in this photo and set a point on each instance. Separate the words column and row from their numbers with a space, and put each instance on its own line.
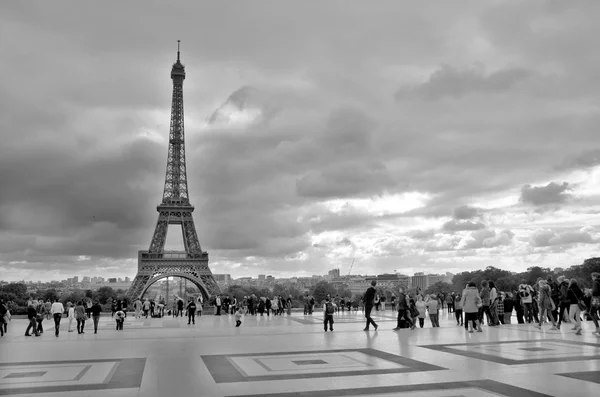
column 175, row 209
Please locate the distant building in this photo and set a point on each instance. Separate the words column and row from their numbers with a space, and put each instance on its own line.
column 419, row 280
column 262, row 277
column 435, row 278
column 334, row 273
column 449, row 277
column 127, row 280
column 76, row 279
column 222, row 277
column 85, row 280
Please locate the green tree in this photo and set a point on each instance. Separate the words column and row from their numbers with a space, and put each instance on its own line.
column 49, row 294
column 104, row 294
column 506, row 284
column 321, row 290
column 72, row 296
column 439, row 288
column 18, row 289
column 343, row 291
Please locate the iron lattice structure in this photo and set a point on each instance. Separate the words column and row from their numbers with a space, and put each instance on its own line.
column 175, row 209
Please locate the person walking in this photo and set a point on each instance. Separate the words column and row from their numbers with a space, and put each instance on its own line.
column 403, row 307
column 238, row 316
column 450, row 303
column 57, row 309
column 422, row 308
column 509, row 304
column 146, row 308
column 368, row 299
column 3, row 311
column 191, row 311
column 433, row 305
column 328, row 310
column 95, row 310
column 526, row 295
column 71, row 315
column 41, row 314
column 88, row 308
column 485, row 301
column 218, row 304
column 594, row 310
column 179, row 308
column 80, row 316
column 471, row 302
column 48, row 309
column 199, row 303
column 458, row 310
column 120, row 319
column 137, row 308
column 545, row 304
column 31, row 316
column 575, row 295
column 563, row 299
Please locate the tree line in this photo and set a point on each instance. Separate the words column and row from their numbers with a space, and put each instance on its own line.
column 509, row 281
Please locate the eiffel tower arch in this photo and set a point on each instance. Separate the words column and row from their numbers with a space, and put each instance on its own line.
column 175, row 209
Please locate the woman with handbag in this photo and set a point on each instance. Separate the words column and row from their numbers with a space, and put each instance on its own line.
column 421, row 308
column 471, row 303
column 575, row 295
column 546, row 305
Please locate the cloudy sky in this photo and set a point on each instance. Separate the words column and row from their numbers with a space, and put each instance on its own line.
column 435, row 137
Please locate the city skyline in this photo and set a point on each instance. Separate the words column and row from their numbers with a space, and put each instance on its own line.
column 432, row 139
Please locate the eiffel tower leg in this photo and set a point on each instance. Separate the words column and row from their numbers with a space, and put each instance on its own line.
column 160, row 234
column 137, row 287
column 190, row 237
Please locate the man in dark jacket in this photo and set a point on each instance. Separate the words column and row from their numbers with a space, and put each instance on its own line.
column 563, row 298
column 95, row 311
column 403, row 310
column 31, row 315
column 595, row 302
column 191, row 311
column 3, row 311
column 368, row 300
column 554, row 294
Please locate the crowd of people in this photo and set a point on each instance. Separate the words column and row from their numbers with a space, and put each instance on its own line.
column 547, row 300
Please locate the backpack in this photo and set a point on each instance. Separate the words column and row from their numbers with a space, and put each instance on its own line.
column 328, row 308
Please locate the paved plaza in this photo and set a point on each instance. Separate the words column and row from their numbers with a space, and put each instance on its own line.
column 292, row 356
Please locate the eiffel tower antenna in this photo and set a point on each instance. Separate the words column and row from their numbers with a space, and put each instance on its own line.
column 174, row 209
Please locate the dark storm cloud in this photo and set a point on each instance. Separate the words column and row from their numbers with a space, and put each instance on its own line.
column 552, row 193
column 585, row 159
column 84, row 118
column 465, row 212
column 448, row 81
column 345, row 180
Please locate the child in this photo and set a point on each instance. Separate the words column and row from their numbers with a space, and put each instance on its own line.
column 71, row 312
column 120, row 319
column 328, row 310
column 238, row 316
